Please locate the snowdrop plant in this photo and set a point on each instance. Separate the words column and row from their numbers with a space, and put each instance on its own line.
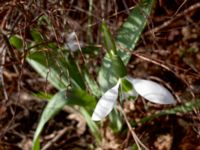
column 150, row 90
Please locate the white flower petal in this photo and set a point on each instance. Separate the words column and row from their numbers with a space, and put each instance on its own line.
column 152, row 91
column 106, row 103
column 72, row 44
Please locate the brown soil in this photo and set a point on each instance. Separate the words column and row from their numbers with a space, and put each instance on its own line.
column 168, row 52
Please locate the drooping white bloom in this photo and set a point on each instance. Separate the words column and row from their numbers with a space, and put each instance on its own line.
column 72, row 44
column 106, row 103
column 150, row 90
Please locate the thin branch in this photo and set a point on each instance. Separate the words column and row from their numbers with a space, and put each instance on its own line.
column 3, row 51
column 159, row 63
column 135, row 137
column 167, row 23
column 56, row 138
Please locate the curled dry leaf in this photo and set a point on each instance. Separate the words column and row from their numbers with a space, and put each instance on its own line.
column 81, row 126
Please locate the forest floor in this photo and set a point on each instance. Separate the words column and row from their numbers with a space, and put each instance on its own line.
column 168, row 52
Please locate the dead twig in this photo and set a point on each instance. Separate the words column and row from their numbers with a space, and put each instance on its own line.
column 56, row 138
column 2, row 84
column 159, row 63
column 135, row 137
column 167, row 23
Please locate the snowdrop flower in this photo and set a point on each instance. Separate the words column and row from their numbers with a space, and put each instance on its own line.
column 150, row 90
column 72, row 44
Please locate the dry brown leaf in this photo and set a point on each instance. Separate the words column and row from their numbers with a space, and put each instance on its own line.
column 81, row 126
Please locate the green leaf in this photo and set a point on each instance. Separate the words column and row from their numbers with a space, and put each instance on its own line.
column 16, row 42
column 131, row 30
column 91, row 50
column 74, row 73
column 108, row 40
column 70, row 97
column 36, row 35
column 82, row 98
column 116, row 122
column 134, row 147
column 92, row 125
column 118, row 66
column 184, row 108
column 56, row 68
column 126, row 85
column 44, row 62
column 53, row 46
column 91, row 83
column 43, row 95
column 53, row 107
column 126, row 40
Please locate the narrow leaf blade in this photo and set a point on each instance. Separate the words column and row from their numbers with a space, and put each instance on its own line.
column 53, row 107
column 58, row 101
column 76, row 77
column 183, row 108
column 108, row 39
column 116, row 121
column 92, row 125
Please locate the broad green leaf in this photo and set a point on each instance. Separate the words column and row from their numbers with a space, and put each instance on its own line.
column 126, row 40
column 106, row 103
column 16, row 42
column 131, row 30
column 36, row 144
column 70, row 97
